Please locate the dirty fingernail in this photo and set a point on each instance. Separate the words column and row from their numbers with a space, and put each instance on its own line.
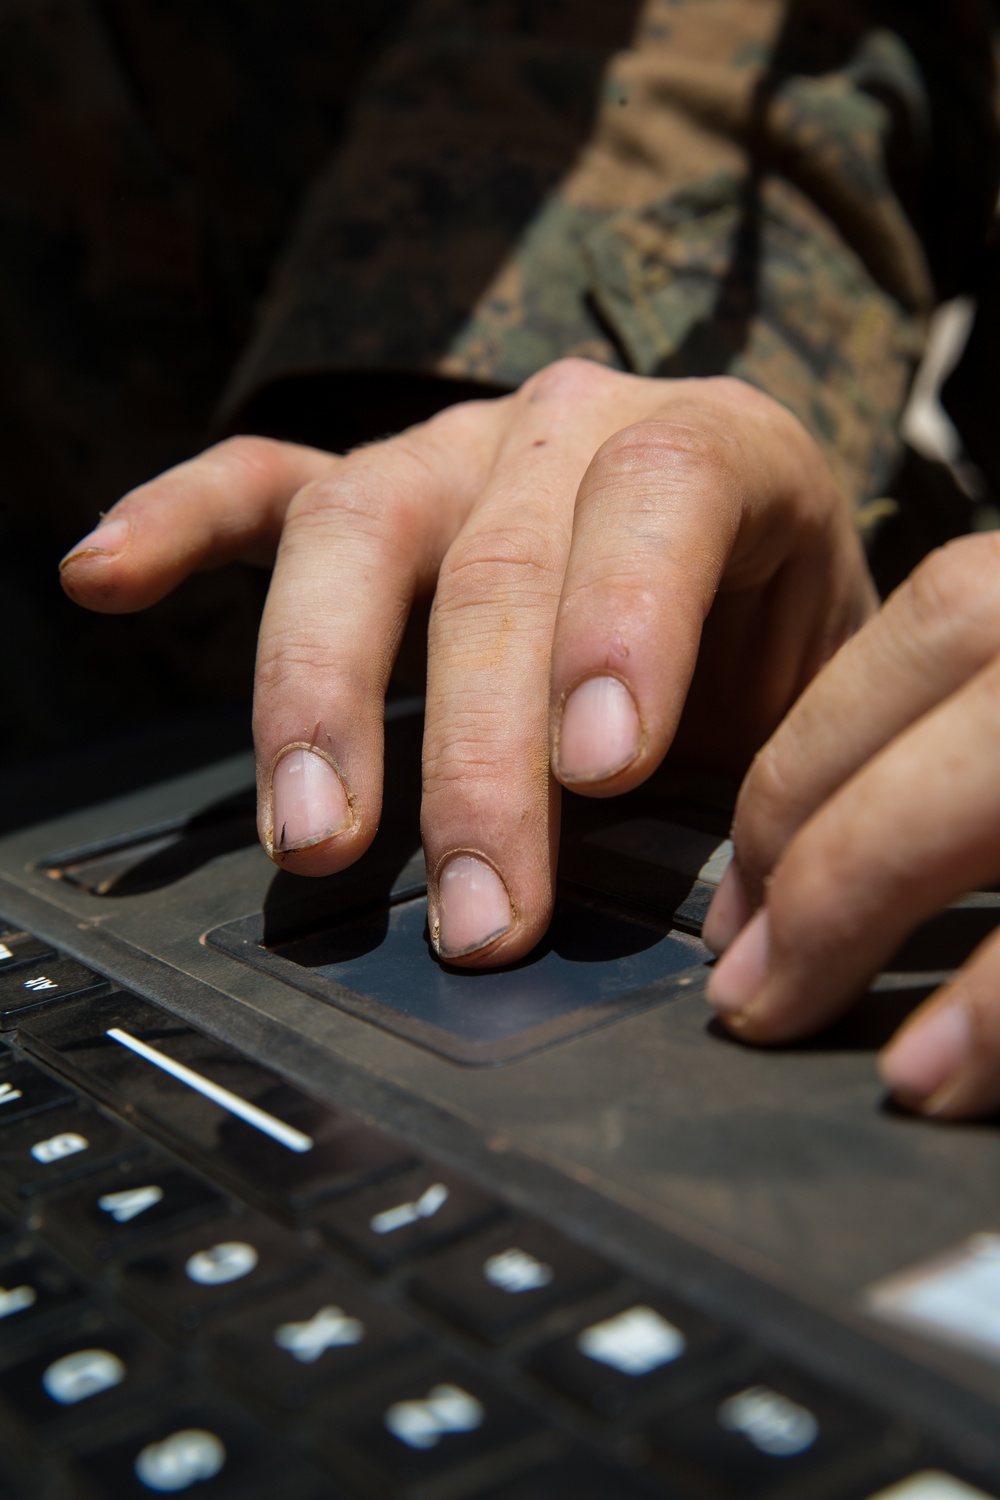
column 473, row 907
column 600, row 731
column 108, row 539
column 728, row 911
column 741, row 971
column 308, row 801
column 928, row 1054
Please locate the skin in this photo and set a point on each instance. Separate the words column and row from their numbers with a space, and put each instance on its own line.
column 681, row 539
column 876, row 803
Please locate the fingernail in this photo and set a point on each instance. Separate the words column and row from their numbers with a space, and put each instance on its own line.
column 107, row 539
column 599, row 732
column 740, row 973
column 728, row 911
column 308, row 801
column 928, row 1054
column 473, row 907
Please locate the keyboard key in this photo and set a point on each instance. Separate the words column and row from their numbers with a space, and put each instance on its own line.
column 190, row 1278
column 932, row 1484
column 18, row 948
column 59, row 1145
column 409, row 1215
column 776, row 1429
column 36, row 984
column 510, row 1277
column 296, row 1346
column 278, row 1145
column 584, row 1478
column 34, row 1290
column 419, row 1429
column 650, row 1349
column 200, row 1444
column 93, row 1375
column 25, row 1090
column 112, row 1213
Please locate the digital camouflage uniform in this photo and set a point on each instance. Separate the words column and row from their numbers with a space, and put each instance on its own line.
column 240, row 216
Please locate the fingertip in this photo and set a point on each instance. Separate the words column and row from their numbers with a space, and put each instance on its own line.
column 598, row 732
column 922, row 1064
column 740, row 973
column 470, row 909
column 728, row 912
column 107, row 540
column 309, row 802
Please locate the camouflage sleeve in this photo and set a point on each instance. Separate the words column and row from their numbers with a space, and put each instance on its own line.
column 776, row 190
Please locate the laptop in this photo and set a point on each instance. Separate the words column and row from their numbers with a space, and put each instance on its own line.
column 290, row 1209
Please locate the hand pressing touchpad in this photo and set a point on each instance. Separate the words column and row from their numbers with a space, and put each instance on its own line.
column 593, row 967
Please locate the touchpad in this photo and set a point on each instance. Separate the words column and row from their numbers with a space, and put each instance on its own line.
column 594, row 966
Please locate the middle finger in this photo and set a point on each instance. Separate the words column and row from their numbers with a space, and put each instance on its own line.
column 490, row 808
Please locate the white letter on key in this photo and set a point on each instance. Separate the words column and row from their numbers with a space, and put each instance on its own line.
column 425, row 1207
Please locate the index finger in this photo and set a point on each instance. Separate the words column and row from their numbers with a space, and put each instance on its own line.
column 226, row 505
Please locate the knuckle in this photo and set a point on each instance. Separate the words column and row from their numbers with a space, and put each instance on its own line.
column 496, row 563
column 290, row 656
column 463, row 770
column 351, row 500
column 244, row 458
column 955, row 586
column 566, row 380
column 665, row 448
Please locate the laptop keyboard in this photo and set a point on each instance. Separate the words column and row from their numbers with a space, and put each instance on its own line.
column 210, row 1282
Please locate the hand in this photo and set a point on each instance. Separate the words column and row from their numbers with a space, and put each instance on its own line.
column 875, row 804
column 574, row 537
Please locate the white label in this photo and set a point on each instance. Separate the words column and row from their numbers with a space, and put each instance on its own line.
column 285, row 1135
column 5, row 951
column 222, row 1263
column 41, row 983
column 130, row 1202
column 635, row 1342
column 445, row 1409
column 954, row 1297
column 931, row 1485
column 16, row 1300
column 516, row 1271
column 330, row 1328
column 773, row 1424
column 8, row 1093
column 85, row 1373
column 424, row 1207
column 181, row 1460
column 58, row 1146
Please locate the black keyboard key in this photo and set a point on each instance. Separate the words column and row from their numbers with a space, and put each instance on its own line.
column 419, row 1430
column 296, row 1346
column 651, row 1349
column 278, row 1145
column 18, row 948
column 25, row 1090
column 34, row 1291
column 584, row 1478
column 512, row 1276
column 409, row 1215
column 32, row 985
column 770, row 1432
column 59, row 1145
column 200, row 1445
column 192, row 1277
column 93, row 1375
column 137, row 1200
